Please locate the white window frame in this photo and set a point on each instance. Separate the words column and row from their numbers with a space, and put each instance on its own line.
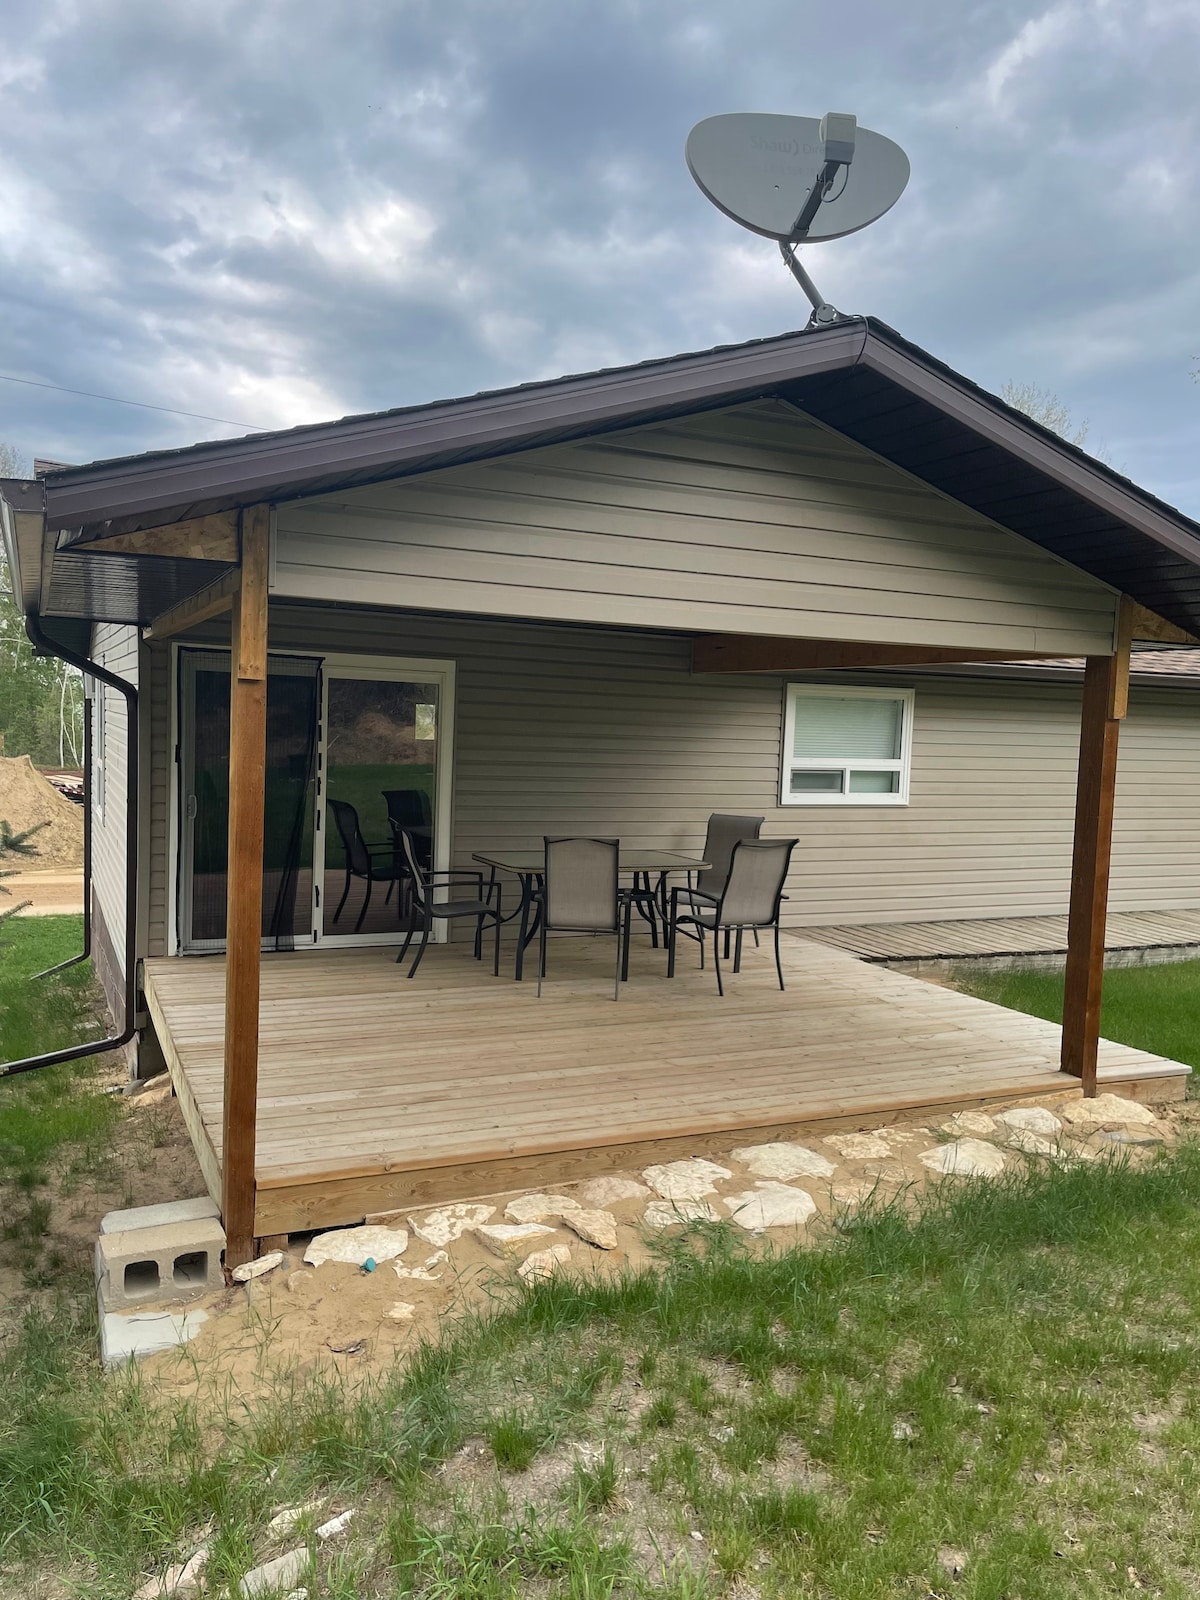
column 815, row 797
column 99, row 745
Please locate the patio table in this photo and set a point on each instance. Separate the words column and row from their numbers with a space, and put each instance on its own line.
column 530, row 865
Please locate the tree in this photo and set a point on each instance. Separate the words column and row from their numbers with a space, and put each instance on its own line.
column 41, row 699
column 14, row 844
column 1044, row 406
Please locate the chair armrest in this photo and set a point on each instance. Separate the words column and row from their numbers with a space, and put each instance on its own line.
column 693, row 895
column 456, row 875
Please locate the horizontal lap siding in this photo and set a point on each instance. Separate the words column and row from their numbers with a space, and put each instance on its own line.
column 114, row 646
column 754, row 520
column 596, row 731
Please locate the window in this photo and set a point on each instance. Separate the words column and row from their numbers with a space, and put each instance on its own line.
column 846, row 746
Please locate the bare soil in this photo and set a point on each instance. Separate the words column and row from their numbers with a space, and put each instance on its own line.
column 27, row 799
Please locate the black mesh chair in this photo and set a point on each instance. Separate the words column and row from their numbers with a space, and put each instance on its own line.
column 750, row 898
column 580, row 893
column 363, row 860
column 724, row 831
column 410, row 808
column 483, row 906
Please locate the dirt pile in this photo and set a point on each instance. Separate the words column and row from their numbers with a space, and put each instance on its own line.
column 26, row 798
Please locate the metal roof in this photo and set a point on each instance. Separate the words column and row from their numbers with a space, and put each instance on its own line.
column 858, row 376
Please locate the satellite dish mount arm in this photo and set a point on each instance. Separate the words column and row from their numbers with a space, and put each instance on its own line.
column 837, row 135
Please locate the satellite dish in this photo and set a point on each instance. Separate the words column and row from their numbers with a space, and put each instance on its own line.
column 797, row 179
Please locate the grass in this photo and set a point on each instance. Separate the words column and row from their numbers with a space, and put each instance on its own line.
column 1003, row 1380
column 1151, row 1008
column 43, row 1112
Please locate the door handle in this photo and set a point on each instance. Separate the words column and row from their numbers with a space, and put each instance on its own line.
column 190, row 808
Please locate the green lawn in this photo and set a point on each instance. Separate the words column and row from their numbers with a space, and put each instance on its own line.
column 43, row 1111
column 1151, row 1008
column 1003, row 1385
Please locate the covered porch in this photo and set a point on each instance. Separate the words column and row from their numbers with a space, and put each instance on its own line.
column 375, row 1092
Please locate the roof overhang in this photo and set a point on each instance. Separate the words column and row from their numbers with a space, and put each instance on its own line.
column 858, row 377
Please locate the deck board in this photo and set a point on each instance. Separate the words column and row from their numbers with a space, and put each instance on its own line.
column 950, row 938
column 369, row 1084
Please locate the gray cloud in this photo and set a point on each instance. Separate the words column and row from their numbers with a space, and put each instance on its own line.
column 286, row 212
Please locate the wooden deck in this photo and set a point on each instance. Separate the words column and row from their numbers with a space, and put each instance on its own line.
column 377, row 1092
column 948, row 939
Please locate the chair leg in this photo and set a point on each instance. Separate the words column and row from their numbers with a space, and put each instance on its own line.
column 408, row 939
column 737, row 952
column 479, row 937
column 755, row 933
column 717, row 958
column 345, row 892
column 623, row 927
column 541, row 956
column 366, row 903
column 388, row 896
column 426, row 926
column 496, row 962
column 778, row 962
column 727, row 933
column 671, row 936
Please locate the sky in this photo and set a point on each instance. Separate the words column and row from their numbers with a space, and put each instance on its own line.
column 289, row 211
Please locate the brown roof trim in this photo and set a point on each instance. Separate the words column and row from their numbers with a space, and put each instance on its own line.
column 139, row 491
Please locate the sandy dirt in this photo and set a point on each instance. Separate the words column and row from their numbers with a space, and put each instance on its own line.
column 27, row 799
column 50, row 894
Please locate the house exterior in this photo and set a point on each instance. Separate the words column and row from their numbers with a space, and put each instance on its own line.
column 819, row 578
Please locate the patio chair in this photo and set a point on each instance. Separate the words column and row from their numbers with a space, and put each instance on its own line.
column 483, row 907
column 410, row 808
column 750, row 898
column 724, row 831
column 580, row 893
column 362, row 859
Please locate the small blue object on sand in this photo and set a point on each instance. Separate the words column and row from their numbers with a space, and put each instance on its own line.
column 369, row 1264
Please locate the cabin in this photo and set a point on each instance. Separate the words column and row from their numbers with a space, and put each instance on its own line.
column 819, row 579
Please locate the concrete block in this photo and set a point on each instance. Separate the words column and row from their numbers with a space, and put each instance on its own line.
column 128, row 1336
column 159, row 1265
column 162, row 1216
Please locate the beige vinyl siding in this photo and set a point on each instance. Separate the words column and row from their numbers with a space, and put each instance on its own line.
column 752, row 520
column 601, row 731
column 115, row 646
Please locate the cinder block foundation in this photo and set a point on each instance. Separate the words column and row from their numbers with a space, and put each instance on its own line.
column 161, row 1265
column 161, row 1216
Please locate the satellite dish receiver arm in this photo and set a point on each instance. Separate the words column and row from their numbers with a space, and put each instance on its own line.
column 837, row 131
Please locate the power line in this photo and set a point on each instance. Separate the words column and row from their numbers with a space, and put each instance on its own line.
column 142, row 405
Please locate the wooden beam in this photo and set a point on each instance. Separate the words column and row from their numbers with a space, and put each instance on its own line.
column 736, row 652
column 243, row 926
column 202, row 606
column 1148, row 625
column 1105, row 702
column 211, row 538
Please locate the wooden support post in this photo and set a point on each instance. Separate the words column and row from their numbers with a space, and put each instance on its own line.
column 1105, row 702
column 243, row 935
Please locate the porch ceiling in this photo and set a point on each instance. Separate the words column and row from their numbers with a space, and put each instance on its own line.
column 376, row 1092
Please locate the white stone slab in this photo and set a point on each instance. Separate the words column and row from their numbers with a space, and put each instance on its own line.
column 159, row 1216
column 594, row 1227
column 178, row 1582
column 672, row 1213
column 287, row 1517
column 356, row 1245
column 771, row 1205
column 131, row 1335
column 257, row 1268
column 537, row 1207
column 441, row 1227
column 784, row 1161
column 1031, row 1144
column 275, row 1575
column 335, row 1525
column 510, row 1238
column 965, row 1158
column 1108, row 1108
column 401, row 1311
column 969, row 1122
column 544, row 1263
column 611, row 1189
column 685, row 1180
column 1033, row 1119
column 858, row 1146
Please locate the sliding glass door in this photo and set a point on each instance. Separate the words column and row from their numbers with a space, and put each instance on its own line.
column 356, row 748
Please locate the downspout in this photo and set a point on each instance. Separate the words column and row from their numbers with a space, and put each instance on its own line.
column 129, row 1021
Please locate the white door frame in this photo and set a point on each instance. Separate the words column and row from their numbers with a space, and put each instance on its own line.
column 403, row 669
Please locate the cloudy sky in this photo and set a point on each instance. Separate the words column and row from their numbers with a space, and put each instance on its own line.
column 284, row 211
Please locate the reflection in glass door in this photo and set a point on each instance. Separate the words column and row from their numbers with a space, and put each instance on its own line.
column 293, row 697
column 380, row 753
